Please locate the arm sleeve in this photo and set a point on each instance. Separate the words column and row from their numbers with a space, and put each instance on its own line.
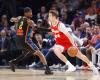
column 64, row 30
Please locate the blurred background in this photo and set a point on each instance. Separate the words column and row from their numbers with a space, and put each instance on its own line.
column 82, row 16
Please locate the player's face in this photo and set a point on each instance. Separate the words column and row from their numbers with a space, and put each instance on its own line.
column 50, row 17
column 29, row 14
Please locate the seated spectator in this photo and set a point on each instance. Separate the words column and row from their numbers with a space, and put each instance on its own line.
column 91, row 16
column 78, row 21
column 42, row 14
column 60, row 3
column 64, row 9
column 39, row 22
column 4, row 22
column 64, row 18
column 96, row 36
column 4, row 46
column 54, row 6
column 94, row 43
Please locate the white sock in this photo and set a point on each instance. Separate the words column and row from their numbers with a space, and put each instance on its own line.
column 91, row 65
column 69, row 64
column 94, row 69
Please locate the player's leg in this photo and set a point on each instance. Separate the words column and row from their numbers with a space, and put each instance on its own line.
column 43, row 60
column 13, row 62
column 58, row 52
column 86, row 60
column 40, row 55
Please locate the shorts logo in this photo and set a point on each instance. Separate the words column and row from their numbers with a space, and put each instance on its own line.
column 20, row 30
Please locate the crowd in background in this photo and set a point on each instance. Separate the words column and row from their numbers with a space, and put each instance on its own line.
column 82, row 16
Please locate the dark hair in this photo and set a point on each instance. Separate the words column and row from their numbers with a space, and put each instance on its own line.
column 54, row 13
column 27, row 9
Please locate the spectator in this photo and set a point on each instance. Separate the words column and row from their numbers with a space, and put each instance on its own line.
column 43, row 43
column 98, row 18
column 64, row 9
column 91, row 16
column 39, row 22
column 4, row 47
column 64, row 18
column 60, row 3
column 94, row 42
column 78, row 20
column 88, row 33
column 4, row 22
column 96, row 36
column 54, row 6
column 39, row 40
column 42, row 14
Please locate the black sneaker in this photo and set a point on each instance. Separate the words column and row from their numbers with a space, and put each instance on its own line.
column 12, row 65
column 48, row 72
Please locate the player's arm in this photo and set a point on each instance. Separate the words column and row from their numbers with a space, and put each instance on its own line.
column 32, row 24
column 63, row 29
column 15, row 19
column 49, row 29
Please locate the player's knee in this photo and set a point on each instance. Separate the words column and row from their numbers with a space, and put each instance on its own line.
column 38, row 53
column 57, row 50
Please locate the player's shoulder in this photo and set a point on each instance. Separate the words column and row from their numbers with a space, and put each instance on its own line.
column 61, row 24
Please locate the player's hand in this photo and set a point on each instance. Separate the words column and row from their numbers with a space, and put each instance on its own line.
column 15, row 19
column 29, row 21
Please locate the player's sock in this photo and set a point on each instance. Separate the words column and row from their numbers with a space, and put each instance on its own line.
column 94, row 69
column 71, row 68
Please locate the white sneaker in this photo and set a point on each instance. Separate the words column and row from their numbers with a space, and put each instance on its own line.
column 55, row 66
column 94, row 69
column 98, row 64
column 98, row 68
column 30, row 66
column 79, row 67
column 71, row 69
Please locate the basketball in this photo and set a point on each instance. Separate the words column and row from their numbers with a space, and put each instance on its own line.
column 72, row 51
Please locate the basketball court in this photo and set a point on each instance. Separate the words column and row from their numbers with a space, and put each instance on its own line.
column 30, row 74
